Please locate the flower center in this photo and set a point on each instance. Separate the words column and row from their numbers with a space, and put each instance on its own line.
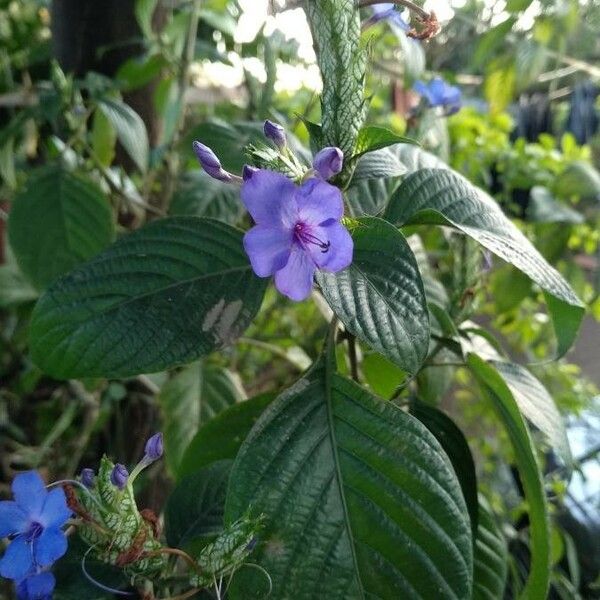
column 304, row 236
column 34, row 531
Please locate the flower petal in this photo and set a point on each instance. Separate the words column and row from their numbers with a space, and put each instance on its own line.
column 269, row 198
column 36, row 587
column 55, row 511
column 17, row 559
column 12, row 518
column 341, row 247
column 50, row 546
column 318, row 202
column 295, row 280
column 268, row 248
column 30, row 492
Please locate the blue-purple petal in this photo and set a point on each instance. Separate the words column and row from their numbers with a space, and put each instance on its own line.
column 55, row 512
column 269, row 198
column 36, row 587
column 30, row 492
column 17, row 560
column 12, row 519
column 295, row 280
column 341, row 248
column 50, row 546
column 318, row 202
column 268, row 248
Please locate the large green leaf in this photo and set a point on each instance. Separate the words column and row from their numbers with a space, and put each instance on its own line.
column 441, row 196
column 505, row 405
column 536, row 404
column 191, row 398
column 221, row 437
column 380, row 297
column 491, row 557
column 359, row 499
column 130, row 129
column 164, row 295
column 57, row 222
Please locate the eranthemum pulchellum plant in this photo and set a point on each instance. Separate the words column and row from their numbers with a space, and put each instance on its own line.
column 326, row 490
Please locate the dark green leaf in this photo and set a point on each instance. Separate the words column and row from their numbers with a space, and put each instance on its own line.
column 57, row 222
column 195, row 508
column 374, row 138
column 441, row 196
column 359, row 499
column 380, row 297
column 505, row 405
column 222, row 437
column 369, row 196
column 164, row 295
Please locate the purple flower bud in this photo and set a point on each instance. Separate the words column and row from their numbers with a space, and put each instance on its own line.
column 210, row 163
column 328, row 162
column 87, row 477
column 154, row 446
column 248, row 171
column 275, row 133
column 119, row 476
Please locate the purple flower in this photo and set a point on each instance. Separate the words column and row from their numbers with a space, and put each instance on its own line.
column 154, row 447
column 387, row 11
column 36, row 587
column 248, row 171
column 297, row 231
column 439, row 93
column 328, row 162
column 87, row 477
column 119, row 476
column 34, row 518
column 210, row 163
column 275, row 133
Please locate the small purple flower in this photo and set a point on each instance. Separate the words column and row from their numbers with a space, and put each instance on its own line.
column 154, row 447
column 328, row 162
column 38, row 586
column 210, row 163
column 248, row 171
column 87, row 477
column 439, row 93
column 275, row 133
column 386, row 11
column 35, row 519
column 119, row 476
column 297, row 231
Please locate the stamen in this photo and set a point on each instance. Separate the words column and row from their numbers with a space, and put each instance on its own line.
column 305, row 236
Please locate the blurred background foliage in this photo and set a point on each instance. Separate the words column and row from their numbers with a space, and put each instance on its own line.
column 101, row 101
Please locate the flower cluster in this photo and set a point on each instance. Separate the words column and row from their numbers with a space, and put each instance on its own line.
column 298, row 228
column 33, row 521
column 440, row 93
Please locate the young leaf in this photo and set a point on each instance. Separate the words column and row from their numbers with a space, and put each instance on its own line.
column 358, row 497
column 440, row 196
column 374, row 138
column 495, row 389
column 130, row 129
column 163, row 295
column 380, row 297
column 191, row 398
column 57, row 222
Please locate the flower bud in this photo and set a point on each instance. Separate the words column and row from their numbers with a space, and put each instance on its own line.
column 119, row 476
column 275, row 133
column 87, row 477
column 248, row 171
column 328, row 162
column 154, row 446
column 210, row 163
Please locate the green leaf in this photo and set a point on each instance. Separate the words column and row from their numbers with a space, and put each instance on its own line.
column 358, row 497
column 455, row 445
column 413, row 158
column 191, row 398
column 505, row 405
column 491, row 40
column 374, row 138
column 544, row 208
column 14, row 288
column 57, row 222
column 441, row 196
column 130, row 129
column 104, row 138
column 536, row 404
column 144, row 11
column 163, row 295
column 195, row 508
column 380, row 296
column 335, row 26
column 378, row 164
column 369, row 196
column 491, row 557
column 499, row 84
column 382, row 375
column 579, row 179
column 200, row 195
column 222, row 437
